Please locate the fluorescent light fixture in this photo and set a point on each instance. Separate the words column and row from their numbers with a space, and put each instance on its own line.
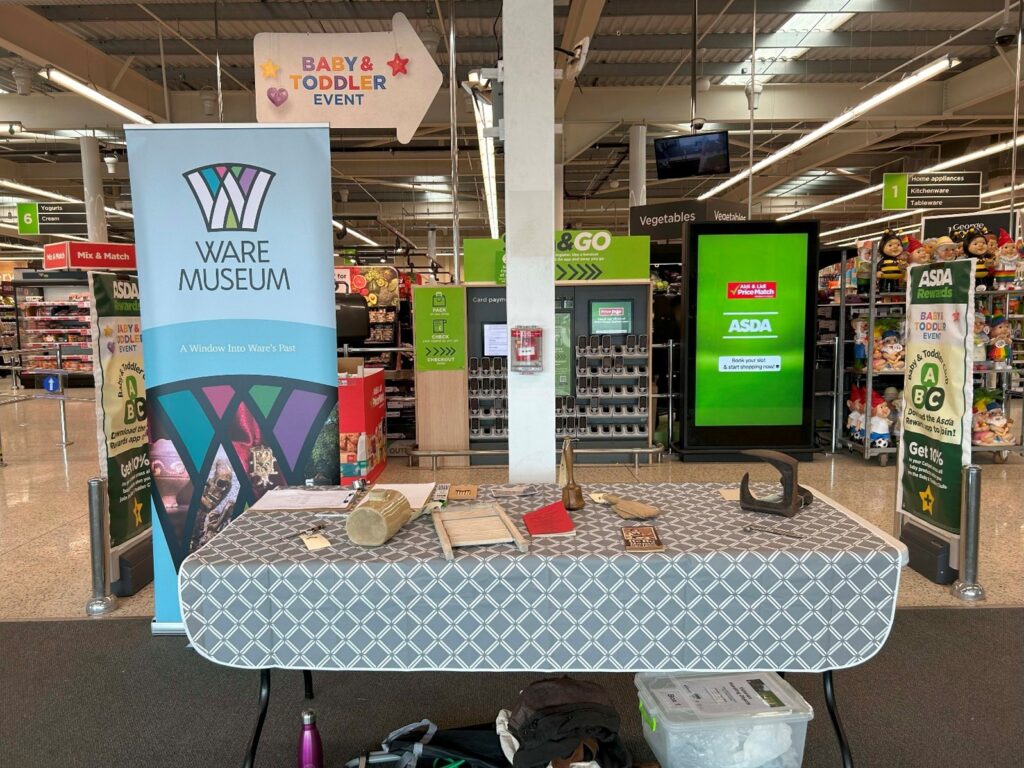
column 16, row 247
column 1001, row 191
column 354, row 233
column 483, row 111
column 870, row 235
column 880, row 220
column 993, row 149
column 69, row 83
column 925, row 73
column 56, row 196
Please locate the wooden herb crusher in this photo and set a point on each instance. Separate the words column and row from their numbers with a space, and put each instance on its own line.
column 572, row 494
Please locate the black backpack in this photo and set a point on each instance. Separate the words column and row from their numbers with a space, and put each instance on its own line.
column 422, row 745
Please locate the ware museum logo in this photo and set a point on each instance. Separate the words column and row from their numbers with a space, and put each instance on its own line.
column 763, row 290
column 230, row 195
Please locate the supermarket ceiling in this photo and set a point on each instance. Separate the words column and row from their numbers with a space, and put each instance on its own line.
column 815, row 59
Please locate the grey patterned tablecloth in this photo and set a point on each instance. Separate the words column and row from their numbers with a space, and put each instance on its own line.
column 718, row 599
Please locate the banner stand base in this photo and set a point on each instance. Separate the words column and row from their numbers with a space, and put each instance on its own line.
column 167, row 628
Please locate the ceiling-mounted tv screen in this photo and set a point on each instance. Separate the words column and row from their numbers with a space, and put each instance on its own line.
column 702, row 154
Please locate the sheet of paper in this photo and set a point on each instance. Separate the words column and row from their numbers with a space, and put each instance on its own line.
column 721, row 696
column 302, row 498
column 730, row 494
column 315, row 541
column 418, row 494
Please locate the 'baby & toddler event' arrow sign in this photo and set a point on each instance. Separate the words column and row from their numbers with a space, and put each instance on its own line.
column 351, row 80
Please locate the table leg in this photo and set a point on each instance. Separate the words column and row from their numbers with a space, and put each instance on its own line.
column 307, row 678
column 833, row 711
column 254, row 742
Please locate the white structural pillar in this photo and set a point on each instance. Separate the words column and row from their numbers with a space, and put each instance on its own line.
column 92, row 177
column 559, row 196
column 528, row 29
column 637, row 165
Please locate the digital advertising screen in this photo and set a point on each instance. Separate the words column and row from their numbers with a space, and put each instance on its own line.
column 702, row 154
column 611, row 317
column 750, row 336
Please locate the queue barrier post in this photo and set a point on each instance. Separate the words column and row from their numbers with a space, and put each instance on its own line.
column 967, row 587
column 102, row 601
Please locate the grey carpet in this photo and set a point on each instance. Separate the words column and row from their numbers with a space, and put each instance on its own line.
column 945, row 691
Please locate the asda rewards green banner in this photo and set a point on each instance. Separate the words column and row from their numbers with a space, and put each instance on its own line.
column 439, row 327
column 579, row 255
column 233, row 234
column 120, row 402
column 938, row 391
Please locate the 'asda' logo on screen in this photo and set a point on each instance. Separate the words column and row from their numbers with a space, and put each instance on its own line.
column 762, row 290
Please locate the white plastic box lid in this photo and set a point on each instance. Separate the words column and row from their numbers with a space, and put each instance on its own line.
column 692, row 701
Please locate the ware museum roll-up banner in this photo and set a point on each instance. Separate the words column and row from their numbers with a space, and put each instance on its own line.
column 120, row 403
column 233, row 229
column 938, row 391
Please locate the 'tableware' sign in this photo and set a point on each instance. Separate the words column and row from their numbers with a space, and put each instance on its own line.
column 352, row 80
column 72, row 255
column 751, row 290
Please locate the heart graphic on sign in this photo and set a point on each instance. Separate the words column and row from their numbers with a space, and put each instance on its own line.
column 110, row 346
column 277, row 96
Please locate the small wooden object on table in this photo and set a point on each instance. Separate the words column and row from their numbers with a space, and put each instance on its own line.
column 475, row 526
column 462, row 493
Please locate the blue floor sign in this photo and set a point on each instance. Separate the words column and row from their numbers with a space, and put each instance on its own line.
column 51, row 383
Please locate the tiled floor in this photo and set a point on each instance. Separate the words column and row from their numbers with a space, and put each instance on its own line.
column 44, row 528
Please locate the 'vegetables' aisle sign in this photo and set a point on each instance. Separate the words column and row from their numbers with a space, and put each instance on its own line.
column 352, row 80
column 120, row 402
column 233, row 225
column 579, row 256
column 938, row 391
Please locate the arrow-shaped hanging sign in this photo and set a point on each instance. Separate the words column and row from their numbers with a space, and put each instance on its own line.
column 350, row 80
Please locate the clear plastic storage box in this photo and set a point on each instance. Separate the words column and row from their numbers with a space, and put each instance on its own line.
column 753, row 720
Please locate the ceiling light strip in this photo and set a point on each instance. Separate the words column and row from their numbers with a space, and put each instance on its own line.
column 69, row 83
column 358, row 235
column 925, row 73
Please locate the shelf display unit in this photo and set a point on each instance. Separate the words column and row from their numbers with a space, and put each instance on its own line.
column 8, row 322
column 1002, row 378
column 53, row 308
column 603, row 389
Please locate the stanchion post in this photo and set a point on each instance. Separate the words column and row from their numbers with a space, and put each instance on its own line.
column 63, row 392
column 2, row 462
column 102, row 601
column 967, row 586
column 671, row 391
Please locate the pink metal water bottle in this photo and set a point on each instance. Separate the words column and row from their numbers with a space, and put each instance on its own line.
column 311, row 750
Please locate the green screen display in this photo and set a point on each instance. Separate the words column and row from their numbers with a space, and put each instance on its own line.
column 611, row 317
column 751, row 319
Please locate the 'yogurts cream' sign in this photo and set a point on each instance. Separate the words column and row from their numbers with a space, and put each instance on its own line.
column 351, row 80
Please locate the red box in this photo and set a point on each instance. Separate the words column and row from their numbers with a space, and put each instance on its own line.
column 75, row 255
column 361, row 413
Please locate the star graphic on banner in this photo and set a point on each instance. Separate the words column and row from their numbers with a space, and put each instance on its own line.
column 269, row 69
column 108, row 331
column 927, row 500
column 137, row 511
column 398, row 65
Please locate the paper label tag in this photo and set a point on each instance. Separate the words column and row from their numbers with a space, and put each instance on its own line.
column 315, row 541
column 720, row 696
column 730, row 494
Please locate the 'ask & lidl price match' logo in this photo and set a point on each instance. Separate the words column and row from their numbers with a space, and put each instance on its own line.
column 230, row 195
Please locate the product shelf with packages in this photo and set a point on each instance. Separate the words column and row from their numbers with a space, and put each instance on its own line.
column 52, row 309
column 998, row 370
column 602, row 368
column 8, row 324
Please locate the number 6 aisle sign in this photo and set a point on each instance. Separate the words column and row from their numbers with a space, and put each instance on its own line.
column 938, row 392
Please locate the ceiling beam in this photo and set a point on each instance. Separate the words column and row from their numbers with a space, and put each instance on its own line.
column 581, row 23
column 44, row 43
column 477, row 9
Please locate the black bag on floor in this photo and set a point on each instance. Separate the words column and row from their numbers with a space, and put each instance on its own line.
column 422, row 745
